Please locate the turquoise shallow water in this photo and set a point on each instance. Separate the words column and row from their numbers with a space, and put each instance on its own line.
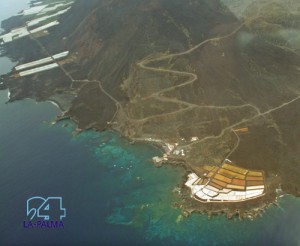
column 145, row 204
column 112, row 192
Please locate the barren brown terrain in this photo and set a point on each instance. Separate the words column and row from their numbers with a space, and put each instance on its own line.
column 184, row 72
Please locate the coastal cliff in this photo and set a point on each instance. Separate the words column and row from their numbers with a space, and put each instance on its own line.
column 188, row 74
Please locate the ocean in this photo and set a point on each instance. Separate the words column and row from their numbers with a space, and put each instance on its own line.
column 112, row 193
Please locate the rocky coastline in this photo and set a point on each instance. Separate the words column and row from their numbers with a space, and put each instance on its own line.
column 73, row 109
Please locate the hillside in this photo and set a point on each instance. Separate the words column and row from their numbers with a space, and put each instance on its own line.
column 186, row 72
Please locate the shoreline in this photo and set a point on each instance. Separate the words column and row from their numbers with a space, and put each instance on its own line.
column 187, row 204
column 172, row 160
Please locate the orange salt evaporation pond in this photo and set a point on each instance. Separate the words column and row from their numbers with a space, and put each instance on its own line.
column 228, row 183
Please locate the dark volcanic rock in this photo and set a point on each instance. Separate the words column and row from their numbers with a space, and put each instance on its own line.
column 173, row 70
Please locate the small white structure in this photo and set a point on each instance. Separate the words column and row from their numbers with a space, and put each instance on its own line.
column 157, row 159
column 170, row 148
column 193, row 139
column 182, row 152
column 38, row 69
column 46, row 26
column 48, row 9
column 38, row 20
column 23, row 31
column 37, row 3
column 33, row 10
column 15, row 34
column 176, row 152
column 42, row 61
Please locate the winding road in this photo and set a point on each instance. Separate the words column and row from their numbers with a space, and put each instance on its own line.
column 192, row 78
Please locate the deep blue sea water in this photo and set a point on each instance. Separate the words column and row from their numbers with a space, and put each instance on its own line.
column 112, row 192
